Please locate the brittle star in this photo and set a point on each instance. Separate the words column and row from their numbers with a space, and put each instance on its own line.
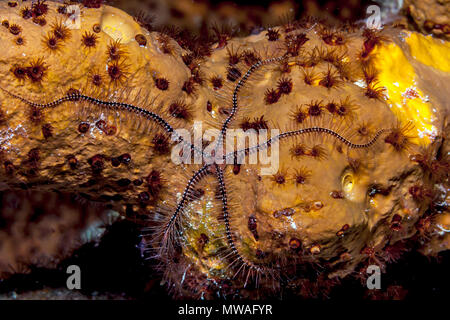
column 166, row 239
column 218, row 171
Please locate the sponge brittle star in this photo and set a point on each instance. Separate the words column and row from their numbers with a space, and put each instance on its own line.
column 168, row 236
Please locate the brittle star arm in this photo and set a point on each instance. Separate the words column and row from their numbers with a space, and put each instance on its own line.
column 167, row 231
column 236, row 90
column 309, row 130
column 111, row 105
column 252, row 268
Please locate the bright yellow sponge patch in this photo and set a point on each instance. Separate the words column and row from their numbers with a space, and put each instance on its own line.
column 397, row 75
column 430, row 51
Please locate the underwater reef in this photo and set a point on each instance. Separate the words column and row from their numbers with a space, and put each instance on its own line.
column 92, row 104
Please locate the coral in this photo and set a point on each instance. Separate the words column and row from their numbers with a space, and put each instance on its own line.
column 32, row 232
column 99, row 116
column 430, row 16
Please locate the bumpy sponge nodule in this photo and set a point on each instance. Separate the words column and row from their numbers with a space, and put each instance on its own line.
column 92, row 108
